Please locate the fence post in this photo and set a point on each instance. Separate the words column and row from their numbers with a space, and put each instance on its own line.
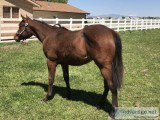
column 155, row 24
column 0, row 29
column 71, row 22
column 125, row 24
column 111, row 23
column 141, row 24
column 93, row 21
column 57, row 20
column 151, row 24
column 102, row 21
column 136, row 24
column 118, row 25
column 83, row 23
column 146, row 23
column 131, row 24
column 40, row 19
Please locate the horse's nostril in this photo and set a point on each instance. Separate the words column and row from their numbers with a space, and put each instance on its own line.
column 16, row 37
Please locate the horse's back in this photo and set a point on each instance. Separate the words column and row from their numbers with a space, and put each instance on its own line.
column 98, row 32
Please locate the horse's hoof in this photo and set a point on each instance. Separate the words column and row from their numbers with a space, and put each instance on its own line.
column 47, row 98
column 112, row 115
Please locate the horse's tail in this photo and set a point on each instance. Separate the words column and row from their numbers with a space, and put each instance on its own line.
column 117, row 66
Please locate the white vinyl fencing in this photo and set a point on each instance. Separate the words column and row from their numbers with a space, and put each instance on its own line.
column 8, row 27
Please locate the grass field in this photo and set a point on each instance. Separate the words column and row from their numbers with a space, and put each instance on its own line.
column 23, row 81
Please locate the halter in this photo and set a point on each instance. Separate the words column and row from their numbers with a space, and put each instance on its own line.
column 20, row 33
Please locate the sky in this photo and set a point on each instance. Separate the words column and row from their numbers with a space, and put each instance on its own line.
column 122, row 7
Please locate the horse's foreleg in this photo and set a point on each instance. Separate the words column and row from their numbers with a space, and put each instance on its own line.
column 51, row 74
column 65, row 69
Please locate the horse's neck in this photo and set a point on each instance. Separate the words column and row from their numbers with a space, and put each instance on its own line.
column 40, row 30
column 40, row 36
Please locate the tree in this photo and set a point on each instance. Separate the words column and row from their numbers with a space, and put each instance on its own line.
column 60, row 1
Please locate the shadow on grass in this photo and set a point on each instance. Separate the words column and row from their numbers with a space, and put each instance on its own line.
column 89, row 98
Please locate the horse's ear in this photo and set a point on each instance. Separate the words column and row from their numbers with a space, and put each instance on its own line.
column 23, row 17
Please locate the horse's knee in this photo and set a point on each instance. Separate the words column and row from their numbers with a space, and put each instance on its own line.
column 112, row 87
column 50, row 81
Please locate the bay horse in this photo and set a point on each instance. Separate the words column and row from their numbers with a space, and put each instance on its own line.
column 62, row 46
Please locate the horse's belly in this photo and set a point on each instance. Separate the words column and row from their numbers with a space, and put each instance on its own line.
column 79, row 62
column 75, row 61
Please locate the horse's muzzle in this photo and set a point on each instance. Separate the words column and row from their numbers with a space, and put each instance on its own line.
column 16, row 38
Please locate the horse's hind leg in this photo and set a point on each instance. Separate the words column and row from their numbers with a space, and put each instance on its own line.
column 106, row 72
column 105, row 93
column 65, row 69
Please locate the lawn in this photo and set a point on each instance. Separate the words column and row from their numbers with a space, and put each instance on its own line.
column 23, row 81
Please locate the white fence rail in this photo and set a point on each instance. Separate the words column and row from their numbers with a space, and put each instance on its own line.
column 8, row 27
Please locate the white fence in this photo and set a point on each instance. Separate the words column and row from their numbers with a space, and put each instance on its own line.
column 8, row 27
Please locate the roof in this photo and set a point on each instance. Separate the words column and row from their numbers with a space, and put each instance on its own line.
column 57, row 7
column 34, row 3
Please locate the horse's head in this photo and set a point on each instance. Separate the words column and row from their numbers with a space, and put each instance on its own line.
column 24, row 30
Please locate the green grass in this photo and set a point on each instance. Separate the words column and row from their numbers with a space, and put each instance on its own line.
column 23, row 81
